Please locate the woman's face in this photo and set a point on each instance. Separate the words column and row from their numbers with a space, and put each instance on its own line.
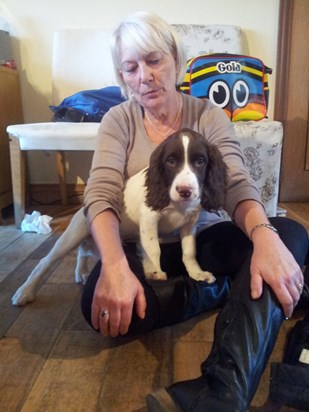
column 151, row 78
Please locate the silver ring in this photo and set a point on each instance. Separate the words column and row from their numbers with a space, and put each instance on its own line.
column 104, row 313
column 300, row 287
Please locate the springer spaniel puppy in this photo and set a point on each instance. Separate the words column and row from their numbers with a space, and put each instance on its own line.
column 185, row 174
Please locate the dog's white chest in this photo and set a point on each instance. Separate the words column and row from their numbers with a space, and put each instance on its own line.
column 172, row 218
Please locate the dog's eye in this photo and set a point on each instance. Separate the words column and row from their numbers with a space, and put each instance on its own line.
column 200, row 161
column 171, row 161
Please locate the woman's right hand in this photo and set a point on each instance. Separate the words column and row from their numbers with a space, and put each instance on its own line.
column 117, row 291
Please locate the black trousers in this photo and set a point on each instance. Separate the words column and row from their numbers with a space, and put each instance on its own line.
column 222, row 249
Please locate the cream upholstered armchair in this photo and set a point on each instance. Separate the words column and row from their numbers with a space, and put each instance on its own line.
column 82, row 61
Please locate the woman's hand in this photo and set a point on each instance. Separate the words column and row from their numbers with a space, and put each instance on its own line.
column 271, row 261
column 274, row 264
column 117, row 291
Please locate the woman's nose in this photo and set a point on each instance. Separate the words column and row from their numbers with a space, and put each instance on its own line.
column 146, row 73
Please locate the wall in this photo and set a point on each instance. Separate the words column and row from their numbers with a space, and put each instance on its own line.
column 32, row 23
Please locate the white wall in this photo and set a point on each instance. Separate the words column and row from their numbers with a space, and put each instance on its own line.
column 32, row 23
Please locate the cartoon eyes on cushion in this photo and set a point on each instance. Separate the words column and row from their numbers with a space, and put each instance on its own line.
column 241, row 93
column 220, row 94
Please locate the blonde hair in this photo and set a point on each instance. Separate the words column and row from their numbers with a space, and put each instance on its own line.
column 144, row 33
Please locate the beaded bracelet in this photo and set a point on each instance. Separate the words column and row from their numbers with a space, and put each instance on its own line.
column 267, row 225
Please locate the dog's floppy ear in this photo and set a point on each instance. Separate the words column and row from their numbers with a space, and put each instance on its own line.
column 213, row 194
column 157, row 190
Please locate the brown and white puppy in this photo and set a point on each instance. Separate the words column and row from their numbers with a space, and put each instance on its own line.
column 185, row 174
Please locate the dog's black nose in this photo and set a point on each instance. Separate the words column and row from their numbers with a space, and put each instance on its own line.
column 184, row 191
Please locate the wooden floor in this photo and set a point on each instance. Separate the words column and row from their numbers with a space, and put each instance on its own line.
column 51, row 360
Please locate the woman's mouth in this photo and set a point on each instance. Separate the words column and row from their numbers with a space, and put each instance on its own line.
column 151, row 93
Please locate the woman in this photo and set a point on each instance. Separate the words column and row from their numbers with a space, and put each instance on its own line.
column 257, row 254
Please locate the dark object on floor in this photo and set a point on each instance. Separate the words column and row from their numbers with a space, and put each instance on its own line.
column 289, row 383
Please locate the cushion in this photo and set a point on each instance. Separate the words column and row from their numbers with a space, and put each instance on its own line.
column 212, row 38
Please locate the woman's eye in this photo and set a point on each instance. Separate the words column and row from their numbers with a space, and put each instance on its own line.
column 154, row 62
column 154, row 59
column 129, row 68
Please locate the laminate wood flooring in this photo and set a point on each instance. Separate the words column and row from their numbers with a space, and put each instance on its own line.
column 52, row 361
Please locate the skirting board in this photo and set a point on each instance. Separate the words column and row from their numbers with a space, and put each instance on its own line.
column 47, row 194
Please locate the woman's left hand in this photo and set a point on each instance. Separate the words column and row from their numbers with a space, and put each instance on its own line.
column 274, row 264
column 271, row 261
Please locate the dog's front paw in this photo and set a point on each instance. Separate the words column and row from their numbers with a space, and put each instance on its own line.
column 204, row 276
column 22, row 296
column 155, row 276
column 153, row 271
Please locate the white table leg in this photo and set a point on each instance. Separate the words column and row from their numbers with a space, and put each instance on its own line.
column 18, row 170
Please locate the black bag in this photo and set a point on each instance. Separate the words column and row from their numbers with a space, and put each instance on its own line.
column 289, row 381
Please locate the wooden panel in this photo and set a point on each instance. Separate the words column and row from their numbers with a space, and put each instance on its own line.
column 10, row 113
column 8, row 235
column 13, row 280
column 72, row 376
column 307, row 145
column 143, row 364
column 298, row 212
column 25, row 245
column 29, row 341
column 292, row 97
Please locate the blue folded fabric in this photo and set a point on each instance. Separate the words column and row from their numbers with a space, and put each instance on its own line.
column 87, row 105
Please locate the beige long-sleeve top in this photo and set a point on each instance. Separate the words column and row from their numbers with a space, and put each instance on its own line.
column 123, row 148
